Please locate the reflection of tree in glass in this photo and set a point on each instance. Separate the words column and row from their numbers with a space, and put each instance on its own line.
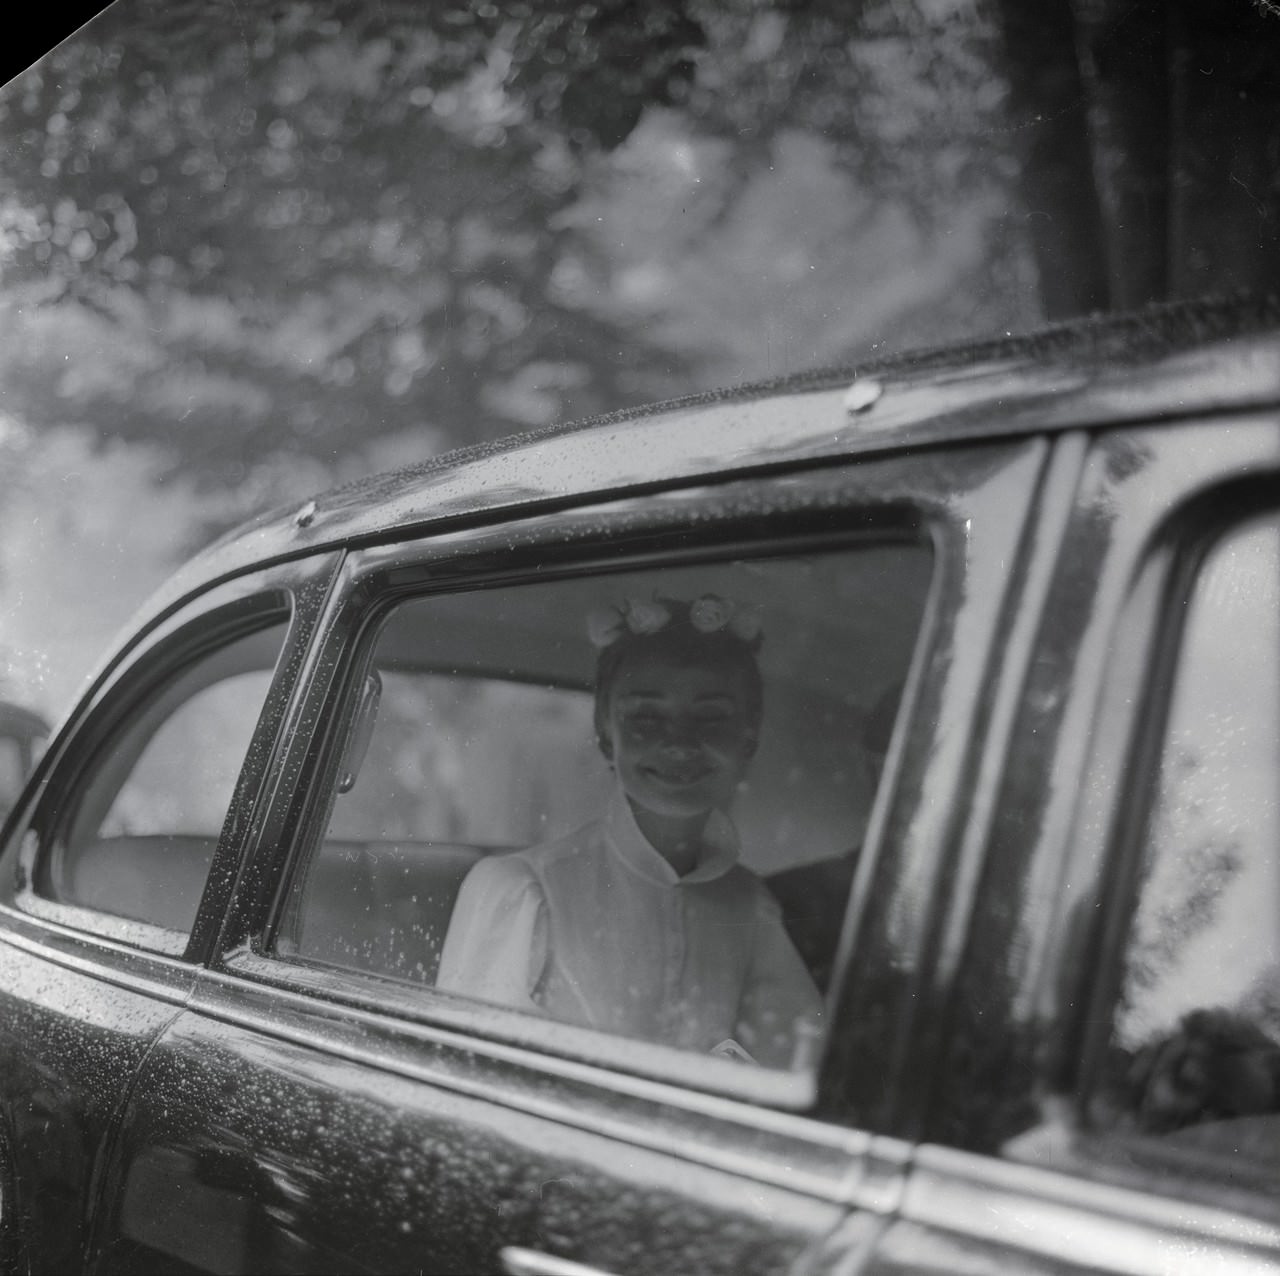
column 162, row 794
column 1192, row 864
column 1261, row 1004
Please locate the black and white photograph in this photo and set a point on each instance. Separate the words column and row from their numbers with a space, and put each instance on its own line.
column 640, row 639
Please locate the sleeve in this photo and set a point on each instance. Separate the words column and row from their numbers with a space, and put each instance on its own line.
column 496, row 946
column 780, row 1014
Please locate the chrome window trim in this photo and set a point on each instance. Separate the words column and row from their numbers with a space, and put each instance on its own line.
column 1099, row 1225
column 862, row 1169
column 113, row 960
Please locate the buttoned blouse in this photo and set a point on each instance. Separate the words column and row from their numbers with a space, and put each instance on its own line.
column 598, row 929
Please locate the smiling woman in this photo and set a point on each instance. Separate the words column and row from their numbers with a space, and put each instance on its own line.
column 678, row 705
column 642, row 922
column 575, row 793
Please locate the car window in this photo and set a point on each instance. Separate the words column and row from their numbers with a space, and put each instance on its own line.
column 23, row 734
column 12, row 772
column 1194, row 1055
column 435, row 771
column 137, row 838
column 163, row 794
column 668, row 858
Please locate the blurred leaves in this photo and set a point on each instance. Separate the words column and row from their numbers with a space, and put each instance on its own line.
column 251, row 230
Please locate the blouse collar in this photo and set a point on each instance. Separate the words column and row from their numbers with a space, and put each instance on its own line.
column 717, row 855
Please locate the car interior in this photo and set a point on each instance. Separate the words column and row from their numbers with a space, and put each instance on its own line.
column 483, row 743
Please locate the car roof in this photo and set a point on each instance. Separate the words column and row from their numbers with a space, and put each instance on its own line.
column 1164, row 362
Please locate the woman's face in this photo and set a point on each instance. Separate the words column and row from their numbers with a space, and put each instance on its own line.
column 679, row 734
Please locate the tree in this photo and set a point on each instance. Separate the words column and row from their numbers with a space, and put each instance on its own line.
column 299, row 229
column 279, row 228
column 322, row 210
column 1152, row 152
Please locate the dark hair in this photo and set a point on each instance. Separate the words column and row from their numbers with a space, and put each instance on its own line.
column 682, row 643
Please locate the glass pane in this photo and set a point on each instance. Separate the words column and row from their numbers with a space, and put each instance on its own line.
column 630, row 802
column 435, row 771
column 12, row 773
column 162, row 793
column 146, row 819
column 1196, row 1043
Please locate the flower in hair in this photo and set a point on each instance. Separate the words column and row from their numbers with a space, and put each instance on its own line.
column 607, row 624
column 646, row 617
column 710, row 613
column 746, row 622
column 604, row 626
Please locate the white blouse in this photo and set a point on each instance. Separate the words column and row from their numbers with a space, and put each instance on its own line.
column 597, row 929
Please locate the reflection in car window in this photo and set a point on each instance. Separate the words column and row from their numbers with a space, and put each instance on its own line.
column 160, row 794
column 12, row 773
column 23, row 734
column 577, row 797
column 1196, row 1040
column 140, row 838
column 436, row 772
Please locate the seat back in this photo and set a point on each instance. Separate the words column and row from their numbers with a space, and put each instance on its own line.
column 155, row 878
column 383, row 907
column 333, row 919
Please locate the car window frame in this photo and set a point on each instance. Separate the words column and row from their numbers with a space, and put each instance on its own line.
column 1151, row 629
column 927, row 493
column 381, row 586
column 1164, row 493
column 1191, row 534
column 293, row 594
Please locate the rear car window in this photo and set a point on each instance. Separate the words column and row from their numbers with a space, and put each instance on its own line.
column 668, row 857
column 1193, row 1061
column 136, row 837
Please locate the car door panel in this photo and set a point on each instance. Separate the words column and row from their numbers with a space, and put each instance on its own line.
column 327, row 1145
column 89, row 978
column 75, row 1023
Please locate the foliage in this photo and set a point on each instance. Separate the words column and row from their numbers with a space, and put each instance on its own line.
column 302, row 227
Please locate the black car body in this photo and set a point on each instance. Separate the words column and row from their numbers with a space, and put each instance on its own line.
column 225, row 888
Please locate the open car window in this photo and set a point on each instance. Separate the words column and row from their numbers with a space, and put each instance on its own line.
column 497, row 830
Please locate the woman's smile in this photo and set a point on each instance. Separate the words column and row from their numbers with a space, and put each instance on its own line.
column 678, row 773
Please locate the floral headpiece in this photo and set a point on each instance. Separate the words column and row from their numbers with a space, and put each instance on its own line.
column 708, row 614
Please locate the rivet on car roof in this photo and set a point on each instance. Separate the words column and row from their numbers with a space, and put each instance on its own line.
column 861, row 395
column 306, row 515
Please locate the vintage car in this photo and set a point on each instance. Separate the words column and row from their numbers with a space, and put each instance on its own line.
column 1012, row 796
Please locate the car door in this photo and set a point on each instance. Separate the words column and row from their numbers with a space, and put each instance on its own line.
column 322, row 1104
column 1105, row 1096
column 152, row 780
